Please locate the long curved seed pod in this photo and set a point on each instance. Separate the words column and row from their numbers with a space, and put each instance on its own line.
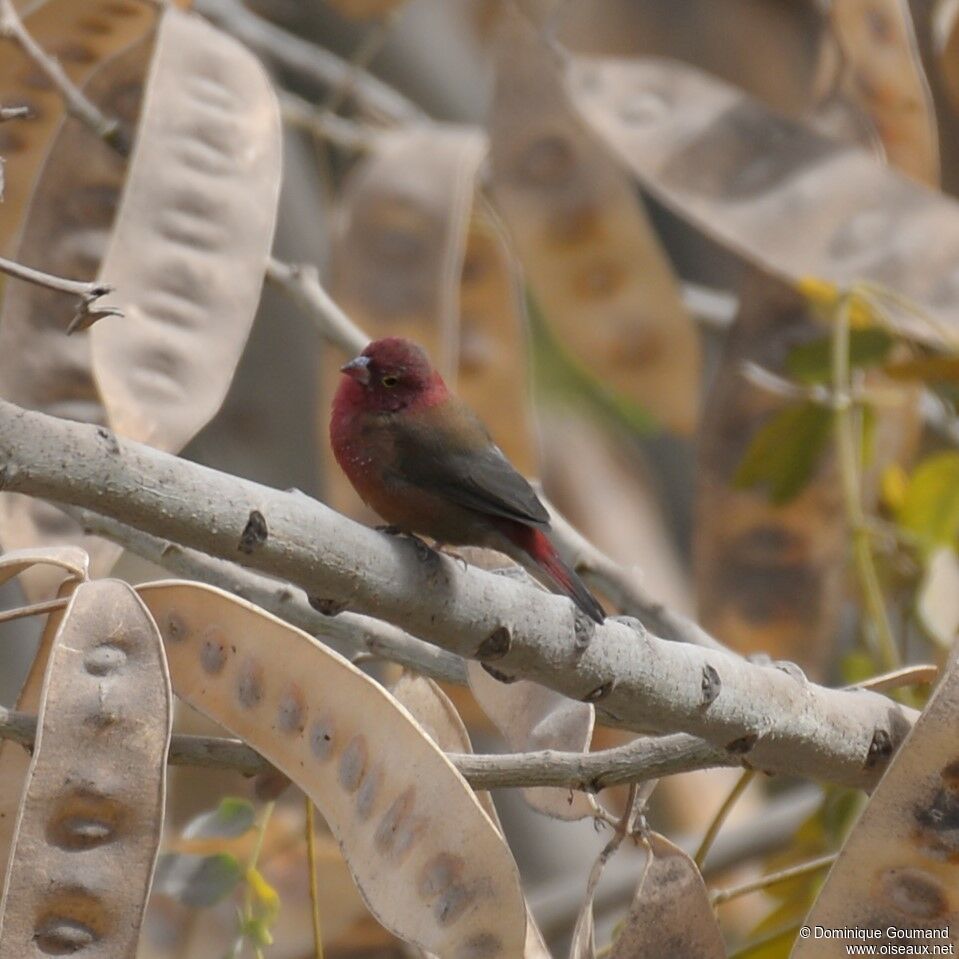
column 424, row 854
column 70, row 216
column 792, row 202
column 594, row 263
column 670, row 914
column 189, row 245
column 432, row 709
column 900, row 865
column 92, row 811
column 15, row 761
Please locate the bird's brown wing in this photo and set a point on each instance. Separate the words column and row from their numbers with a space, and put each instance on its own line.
column 453, row 455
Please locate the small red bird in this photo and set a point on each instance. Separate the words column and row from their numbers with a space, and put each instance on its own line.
column 420, row 457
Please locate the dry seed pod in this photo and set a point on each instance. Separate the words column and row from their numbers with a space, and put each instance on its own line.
column 767, row 575
column 594, row 263
column 432, row 709
column 70, row 216
column 883, row 75
column 791, row 202
column 192, row 235
column 531, row 717
column 900, row 865
column 92, row 811
column 425, row 856
column 670, row 914
column 15, row 761
column 493, row 363
column 82, row 35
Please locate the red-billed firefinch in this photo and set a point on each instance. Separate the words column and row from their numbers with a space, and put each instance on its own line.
column 419, row 456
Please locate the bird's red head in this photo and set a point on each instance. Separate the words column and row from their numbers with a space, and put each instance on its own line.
column 392, row 374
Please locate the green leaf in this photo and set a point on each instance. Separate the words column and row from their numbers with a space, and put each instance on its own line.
column 258, row 932
column 930, row 509
column 197, row 881
column 784, row 453
column 812, row 362
column 232, row 818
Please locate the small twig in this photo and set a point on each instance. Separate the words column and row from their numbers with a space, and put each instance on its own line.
column 14, row 113
column 314, row 886
column 302, row 283
column 722, row 814
column 88, row 292
column 36, row 609
column 763, row 882
column 315, row 64
column 362, row 57
column 636, row 762
column 78, row 105
column 849, row 473
column 346, row 134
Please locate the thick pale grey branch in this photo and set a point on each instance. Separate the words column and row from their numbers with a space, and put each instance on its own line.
column 767, row 715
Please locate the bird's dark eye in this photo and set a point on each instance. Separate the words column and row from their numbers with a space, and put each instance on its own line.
column 390, row 381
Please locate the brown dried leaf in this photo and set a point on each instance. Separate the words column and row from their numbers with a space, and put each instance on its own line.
column 531, row 717
column 82, row 35
column 428, row 860
column 592, row 258
column 793, row 203
column 70, row 216
column 410, row 260
column 92, row 811
column 883, row 76
column 670, row 914
column 194, row 229
column 900, row 865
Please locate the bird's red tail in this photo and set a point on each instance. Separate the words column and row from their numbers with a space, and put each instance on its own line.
column 538, row 546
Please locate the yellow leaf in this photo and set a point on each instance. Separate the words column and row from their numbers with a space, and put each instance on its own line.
column 895, row 482
column 265, row 894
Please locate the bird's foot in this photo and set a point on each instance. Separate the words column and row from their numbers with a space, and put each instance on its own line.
column 424, row 551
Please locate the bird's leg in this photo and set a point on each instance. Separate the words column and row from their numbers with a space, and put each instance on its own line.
column 423, row 549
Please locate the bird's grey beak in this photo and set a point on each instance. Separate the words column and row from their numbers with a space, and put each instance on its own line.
column 358, row 369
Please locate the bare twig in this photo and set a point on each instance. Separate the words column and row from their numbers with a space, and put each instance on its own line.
column 315, row 64
column 87, row 292
column 77, row 103
column 722, row 815
column 34, row 609
column 635, row 762
column 762, row 714
column 346, row 134
column 771, row 879
column 302, row 283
